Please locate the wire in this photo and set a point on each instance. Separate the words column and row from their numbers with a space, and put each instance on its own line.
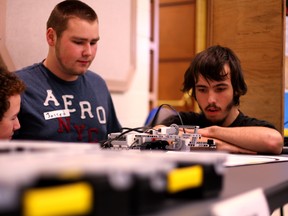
column 138, row 129
column 107, row 143
column 158, row 110
column 132, row 129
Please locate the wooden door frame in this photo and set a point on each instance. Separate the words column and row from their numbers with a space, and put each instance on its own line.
column 200, row 44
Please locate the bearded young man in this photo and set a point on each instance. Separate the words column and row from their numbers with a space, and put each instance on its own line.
column 216, row 81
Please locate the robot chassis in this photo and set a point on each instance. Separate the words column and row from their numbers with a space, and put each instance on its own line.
column 164, row 138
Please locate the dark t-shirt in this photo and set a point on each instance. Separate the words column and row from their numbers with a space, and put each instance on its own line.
column 57, row 110
column 191, row 118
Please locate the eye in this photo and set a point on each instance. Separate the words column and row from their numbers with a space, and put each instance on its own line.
column 93, row 42
column 221, row 89
column 202, row 90
column 78, row 42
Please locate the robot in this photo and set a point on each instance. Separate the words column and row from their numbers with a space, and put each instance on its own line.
column 165, row 138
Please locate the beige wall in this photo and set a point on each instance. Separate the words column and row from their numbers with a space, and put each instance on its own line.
column 122, row 57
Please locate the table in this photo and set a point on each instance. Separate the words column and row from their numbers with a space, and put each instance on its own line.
column 272, row 177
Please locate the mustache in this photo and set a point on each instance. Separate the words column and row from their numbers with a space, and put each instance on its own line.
column 212, row 106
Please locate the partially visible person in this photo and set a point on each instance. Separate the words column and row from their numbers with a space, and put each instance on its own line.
column 64, row 100
column 216, row 81
column 10, row 89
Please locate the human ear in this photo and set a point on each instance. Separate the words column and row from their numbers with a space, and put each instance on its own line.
column 51, row 36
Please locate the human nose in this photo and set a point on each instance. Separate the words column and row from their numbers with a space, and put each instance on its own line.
column 211, row 97
column 87, row 50
column 16, row 124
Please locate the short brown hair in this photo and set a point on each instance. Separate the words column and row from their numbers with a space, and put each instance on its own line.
column 10, row 85
column 66, row 10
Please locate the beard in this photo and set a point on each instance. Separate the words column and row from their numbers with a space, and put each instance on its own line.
column 218, row 122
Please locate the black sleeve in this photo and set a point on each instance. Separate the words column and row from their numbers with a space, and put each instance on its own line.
column 248, row 121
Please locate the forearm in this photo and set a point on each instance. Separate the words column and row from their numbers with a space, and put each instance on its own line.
column 257, row 139
column 228, row 147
